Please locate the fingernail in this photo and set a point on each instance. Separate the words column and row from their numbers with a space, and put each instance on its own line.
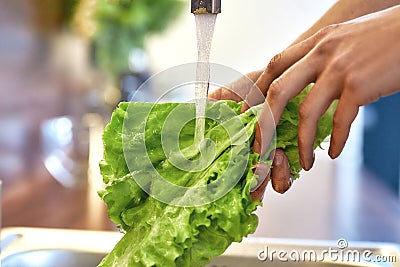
column 290, row 180
column 307, row 164
column 310, row 162
column 278, row 159
column 302, row 163
column 331, row 153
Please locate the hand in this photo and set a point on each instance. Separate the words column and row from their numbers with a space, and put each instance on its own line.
column 356, row 62
column 280, row 172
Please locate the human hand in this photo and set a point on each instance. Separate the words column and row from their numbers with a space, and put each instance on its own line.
column 356, row 62
column 279, row 174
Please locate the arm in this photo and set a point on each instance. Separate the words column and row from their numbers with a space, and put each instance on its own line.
column 344, row 10
column 341, row 11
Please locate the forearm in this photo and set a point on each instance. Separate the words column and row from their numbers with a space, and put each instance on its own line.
column 344, row 10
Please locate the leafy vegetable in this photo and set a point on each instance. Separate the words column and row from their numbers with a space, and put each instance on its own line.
column 286, row 131
column 170, row 233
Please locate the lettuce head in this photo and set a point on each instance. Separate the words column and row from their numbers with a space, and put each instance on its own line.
column 180, row 203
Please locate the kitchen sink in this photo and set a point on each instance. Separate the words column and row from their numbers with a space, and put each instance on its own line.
column 53, row 257
column 42, row 247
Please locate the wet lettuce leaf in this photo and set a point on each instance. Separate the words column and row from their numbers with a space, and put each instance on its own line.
column 161, row 234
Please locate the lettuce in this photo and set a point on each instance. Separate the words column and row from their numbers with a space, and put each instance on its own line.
column 161, row 228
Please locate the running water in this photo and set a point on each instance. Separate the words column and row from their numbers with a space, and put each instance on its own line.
column 205, row 28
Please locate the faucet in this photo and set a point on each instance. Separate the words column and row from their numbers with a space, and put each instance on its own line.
column 205, row 6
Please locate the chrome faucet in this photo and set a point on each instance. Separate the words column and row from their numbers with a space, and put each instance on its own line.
column 205, row 6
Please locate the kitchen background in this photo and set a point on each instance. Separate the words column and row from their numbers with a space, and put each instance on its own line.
column 59, row 84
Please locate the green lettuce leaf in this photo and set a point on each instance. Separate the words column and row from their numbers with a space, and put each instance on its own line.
column 159, row 233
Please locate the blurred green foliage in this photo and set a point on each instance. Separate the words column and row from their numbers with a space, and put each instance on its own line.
column 123, row 24
column 67, row 9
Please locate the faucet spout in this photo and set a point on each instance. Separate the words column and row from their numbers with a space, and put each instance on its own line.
column 205, row 6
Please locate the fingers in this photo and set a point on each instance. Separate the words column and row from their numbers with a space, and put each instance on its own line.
column 287, row 86
column 265, row 130
column 290, row 84
column 224, row 94
column 344, row 116
column 257, row 143
column 237, row 90
column 278, row 64
column 315, row 104
column 263, row 172
column 280, row 173
column 254, row 75
column 317, row 101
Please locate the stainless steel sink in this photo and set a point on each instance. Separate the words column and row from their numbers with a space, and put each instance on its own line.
column 40, row 247
column 52, row 257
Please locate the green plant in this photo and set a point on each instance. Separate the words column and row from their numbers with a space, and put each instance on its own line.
column 123, row 25
column 161, row 233
column 68, row 9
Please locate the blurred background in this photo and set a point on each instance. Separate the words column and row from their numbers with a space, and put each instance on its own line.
column 65, row 64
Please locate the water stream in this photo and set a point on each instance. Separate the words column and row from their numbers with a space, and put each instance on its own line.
column 205, row 28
